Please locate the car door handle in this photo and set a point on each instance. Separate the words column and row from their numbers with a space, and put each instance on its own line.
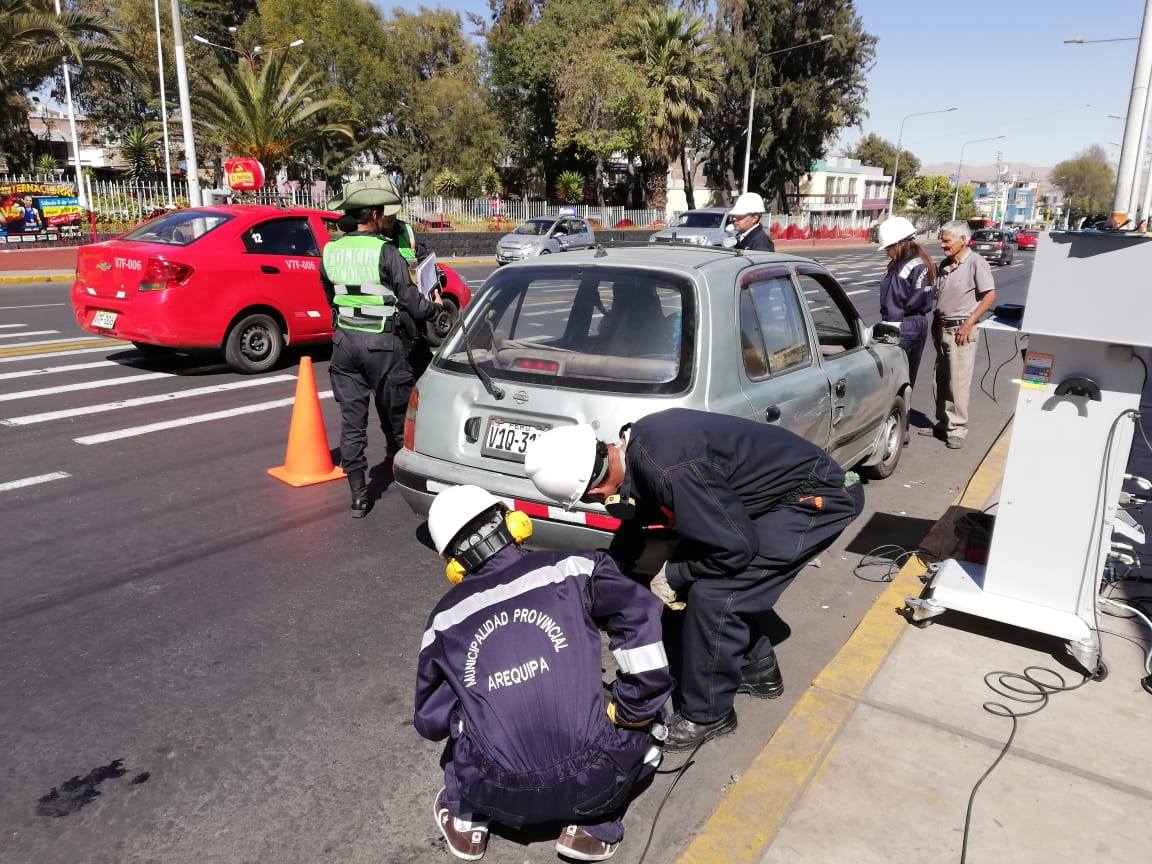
column 841, row 386
column 772, row 413
column 268, row 268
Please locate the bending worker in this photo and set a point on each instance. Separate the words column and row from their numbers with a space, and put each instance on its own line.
column 908, row 289
column 751, row 503
column 510, row 675
column 377, row 310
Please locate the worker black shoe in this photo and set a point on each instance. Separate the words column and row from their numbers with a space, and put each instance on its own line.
column 762, row 679
column 361, row 504
column 684, row 734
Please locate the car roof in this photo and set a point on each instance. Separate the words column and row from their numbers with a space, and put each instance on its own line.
column 668, row 257
column 266, row 210
column 707, row 210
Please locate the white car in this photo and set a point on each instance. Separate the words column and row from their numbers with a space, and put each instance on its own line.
column 543, row 235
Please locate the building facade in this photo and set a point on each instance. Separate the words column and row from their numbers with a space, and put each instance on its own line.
column 840, row 186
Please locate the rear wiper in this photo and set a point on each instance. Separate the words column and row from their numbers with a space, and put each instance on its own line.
column 493, row 391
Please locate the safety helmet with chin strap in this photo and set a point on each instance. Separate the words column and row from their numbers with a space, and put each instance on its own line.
column 565, row 462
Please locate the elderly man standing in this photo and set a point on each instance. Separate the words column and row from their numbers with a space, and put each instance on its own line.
column 965, row 291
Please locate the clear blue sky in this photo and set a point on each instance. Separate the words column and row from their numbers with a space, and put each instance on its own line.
column 1003, row 64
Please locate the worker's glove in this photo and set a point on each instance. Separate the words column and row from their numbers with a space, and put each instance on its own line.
column 622, row 723
column 666, row 592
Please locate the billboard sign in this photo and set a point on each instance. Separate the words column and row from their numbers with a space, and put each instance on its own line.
column 244, row 175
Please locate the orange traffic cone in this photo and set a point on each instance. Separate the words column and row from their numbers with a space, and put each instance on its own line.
column 308, row 459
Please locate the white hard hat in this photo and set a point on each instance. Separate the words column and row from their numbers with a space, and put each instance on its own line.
column 562, row 462
column 748, row 203
column 454, row 508
column 893, row 230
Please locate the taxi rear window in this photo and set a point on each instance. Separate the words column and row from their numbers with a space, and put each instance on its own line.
column 179, row 228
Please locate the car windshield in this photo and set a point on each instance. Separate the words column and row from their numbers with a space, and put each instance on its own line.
column 178, row 228
column 694, row 219
column 536, row 227
column 587, row 327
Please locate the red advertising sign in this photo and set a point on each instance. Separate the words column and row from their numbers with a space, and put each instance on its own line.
column 244, row 175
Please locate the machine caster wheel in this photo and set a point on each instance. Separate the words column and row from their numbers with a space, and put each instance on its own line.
column 922, row 624
column 1146, row 683
column 1101, row 672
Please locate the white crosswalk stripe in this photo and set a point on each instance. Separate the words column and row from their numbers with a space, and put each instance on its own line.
column 32, row 481
column 34, row 306
column 82, row 385
column 67, row 413
column 39, row 355
column 11, row 326
column 27, row 333
column 49, row 370
column 69, row 340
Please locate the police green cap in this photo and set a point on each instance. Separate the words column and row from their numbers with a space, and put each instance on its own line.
column 378, row 193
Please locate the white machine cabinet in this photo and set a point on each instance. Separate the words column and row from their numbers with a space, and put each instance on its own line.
column 1089, row 320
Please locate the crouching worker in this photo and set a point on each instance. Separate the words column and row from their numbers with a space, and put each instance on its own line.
column 510, row 674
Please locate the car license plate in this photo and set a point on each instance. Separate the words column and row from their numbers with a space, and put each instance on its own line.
column 104, row 319
column 508, row 439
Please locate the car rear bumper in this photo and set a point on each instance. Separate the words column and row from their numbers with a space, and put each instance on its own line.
column 421, row 477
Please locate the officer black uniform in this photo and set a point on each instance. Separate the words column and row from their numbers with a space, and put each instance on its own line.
column 757, row 239
column 377, row 310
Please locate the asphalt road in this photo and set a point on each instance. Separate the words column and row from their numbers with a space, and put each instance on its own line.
column 246, row 650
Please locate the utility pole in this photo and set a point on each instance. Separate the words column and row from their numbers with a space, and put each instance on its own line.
column 186, row 108
column 163, row 105
column 1133, row 147
column 81, row 193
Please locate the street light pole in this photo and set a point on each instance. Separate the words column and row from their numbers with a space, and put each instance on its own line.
column 960, row 167
column 899, row 143
column 752, row 98
column 1133, row 148
column 163, row 105
column 81, row 192
column 185, row 109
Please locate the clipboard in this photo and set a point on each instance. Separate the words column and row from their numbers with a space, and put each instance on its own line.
column 425, row 275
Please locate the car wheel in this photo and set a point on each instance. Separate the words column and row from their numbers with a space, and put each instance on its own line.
column 891, row 444
column 545, row 251
column 254, row 344
column 154, row 350
column 441, row 322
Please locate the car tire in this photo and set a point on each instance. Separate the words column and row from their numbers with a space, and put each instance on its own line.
column 891, row 443
column 545, row 251
column 153, row 350
column 254, row 344
column 443, row 319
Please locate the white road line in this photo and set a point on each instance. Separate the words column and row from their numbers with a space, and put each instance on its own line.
column 82, row 385
column 64, row 414
column 133, row 431
column 70, row 340
column 862, row 291
column 11, row 326
column 48, row 370
column 27, row 333
column 33, row 481
column 34, row 306
column 41, row 354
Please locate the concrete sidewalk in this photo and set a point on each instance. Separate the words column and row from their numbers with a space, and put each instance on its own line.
column 877, row 760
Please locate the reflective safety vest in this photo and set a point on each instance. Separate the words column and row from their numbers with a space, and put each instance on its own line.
column 406, row 242
column 352, row 265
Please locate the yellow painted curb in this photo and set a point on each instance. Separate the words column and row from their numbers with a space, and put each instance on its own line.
column 39, row 277
column 21, row 351
column 743, row 825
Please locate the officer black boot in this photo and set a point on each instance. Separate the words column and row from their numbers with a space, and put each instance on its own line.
column 360, row 503
column 762, row 679
column 684, row 734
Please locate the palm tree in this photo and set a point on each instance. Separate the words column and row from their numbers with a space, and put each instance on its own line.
column 138, row 148
column 267, row 113
column 35, row 42
column 675, row 54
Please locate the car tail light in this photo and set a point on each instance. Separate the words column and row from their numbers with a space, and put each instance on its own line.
column 410, row 419
column 160, row 274
column 549, row 366
column 999, row 244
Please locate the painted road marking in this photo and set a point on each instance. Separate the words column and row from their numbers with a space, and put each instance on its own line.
column 48, row 370
column 22, row 348
column 27, row 333
column 11, row 326
column 66, row 413
column 133, row 431
column 862, row 291
column 33, row 481
column 36, row 355
column 83, row 385
column 34, row 306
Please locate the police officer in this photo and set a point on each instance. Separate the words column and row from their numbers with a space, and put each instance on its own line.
column 750, row 234
column 510, row 674
column 751, row 504
column 377, row 310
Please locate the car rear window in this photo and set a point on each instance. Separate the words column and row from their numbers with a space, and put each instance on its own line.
column 987, row 235
column 699, row 220
column 586, row 327
column 178, row 228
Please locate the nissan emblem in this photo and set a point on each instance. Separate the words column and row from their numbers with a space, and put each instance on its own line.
column 520, row 397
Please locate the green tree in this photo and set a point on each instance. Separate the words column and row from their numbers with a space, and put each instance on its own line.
column 570, row 187
column 139, row 148
column 1087, row 181
column 269, row 111
column 874, row 150
column 928, row 200
column 803, row 97
column 34, row 43
column 675, row 55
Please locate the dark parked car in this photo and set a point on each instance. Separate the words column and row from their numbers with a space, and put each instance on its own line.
column 994, row 245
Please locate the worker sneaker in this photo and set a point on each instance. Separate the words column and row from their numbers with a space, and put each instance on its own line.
column 576, row 843
column 954, row 443
column 466, row 839
column 762, row 679
column 684, row 734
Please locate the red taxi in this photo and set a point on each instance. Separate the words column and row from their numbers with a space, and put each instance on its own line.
column 241, row 278
column 1026, row 239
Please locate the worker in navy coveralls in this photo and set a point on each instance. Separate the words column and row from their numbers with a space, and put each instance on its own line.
column 752, row 504
column 510, row 674
column 908, row 289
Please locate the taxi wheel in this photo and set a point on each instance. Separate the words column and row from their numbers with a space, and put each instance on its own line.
column 441, row 323
column 254, row 344
column 891, row 443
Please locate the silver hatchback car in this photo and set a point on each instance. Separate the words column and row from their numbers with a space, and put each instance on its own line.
column 543, row 235
column 707, row 226
column 607, row 337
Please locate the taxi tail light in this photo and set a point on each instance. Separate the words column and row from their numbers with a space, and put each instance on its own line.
column 534, row 365
column 410, row 419
column 160, row 274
